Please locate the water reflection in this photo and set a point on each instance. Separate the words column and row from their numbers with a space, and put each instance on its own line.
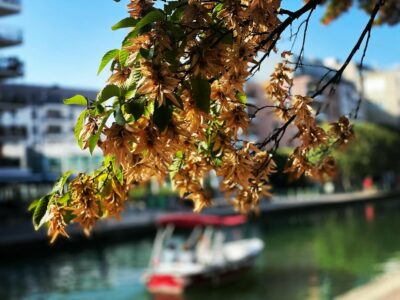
column 314, row 256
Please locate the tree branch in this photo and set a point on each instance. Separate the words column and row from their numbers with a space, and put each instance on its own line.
column 336, row 78
column 274, row 36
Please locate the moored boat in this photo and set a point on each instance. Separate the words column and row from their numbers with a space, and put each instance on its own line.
column 207, row 255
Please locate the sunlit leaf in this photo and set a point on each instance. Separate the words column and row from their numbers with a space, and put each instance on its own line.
column 78, row 127
column 176, row 164
column 123, row 56
column 241, row 97
column 76, row 100
column 33, row 205
column 40, row 211
column 151, row 17
column 109, row 56
column 108, row 92
column 124, row 23
column 95, row 138
column 59, row 185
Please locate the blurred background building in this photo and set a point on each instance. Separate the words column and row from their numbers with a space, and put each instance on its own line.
column 10, row 67
column 36, row 129
column 373, row 97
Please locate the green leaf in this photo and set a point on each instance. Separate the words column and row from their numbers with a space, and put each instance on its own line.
column 117, row 171
column 162, row 116
column 241, row 97
column 147, row 53
column 135, row 107
column 123, row 56
column 40, row 211
column 95, row 138
column 218, row 7
column 175, row 31
column 64, row 199
column 119, row 175
column 110, row 55
column 59, row 185
column 149, row 109
column 201, row 93
column 124, row 23
column 68, row 216
column 178, row 14
column 76, row 100
column 130, row 93
column 217, row 162
column 119, row 116
column 176, row 164
column 99, row 109
column 169, row 7
column 108, row 92
column 129, row 36
column 151, row 17
column 79, row 126
column 33, row 205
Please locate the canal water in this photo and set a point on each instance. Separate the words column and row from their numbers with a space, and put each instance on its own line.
column 313, row 255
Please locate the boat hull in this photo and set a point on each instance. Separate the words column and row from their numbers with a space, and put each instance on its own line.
column 213, row 275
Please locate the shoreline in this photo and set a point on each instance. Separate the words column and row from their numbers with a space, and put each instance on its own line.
column 15, row 239
column 383, row 287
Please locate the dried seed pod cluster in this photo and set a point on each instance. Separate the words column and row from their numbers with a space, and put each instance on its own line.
column 175, row 107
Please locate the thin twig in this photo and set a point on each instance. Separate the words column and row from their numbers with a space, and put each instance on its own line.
column 275, row 35
column 336, row 78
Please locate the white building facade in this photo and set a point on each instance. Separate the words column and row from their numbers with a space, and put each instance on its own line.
column 37, row 130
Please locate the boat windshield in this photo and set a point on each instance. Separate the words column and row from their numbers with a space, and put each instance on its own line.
column 202, row 246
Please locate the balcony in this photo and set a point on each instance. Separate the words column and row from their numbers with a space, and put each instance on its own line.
column 13, row 133
column 9, row 102
column 11, row 67
column 9, row 7
column 10, row 36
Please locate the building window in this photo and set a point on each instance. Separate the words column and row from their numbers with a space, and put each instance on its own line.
column 53, row 129
column 54, row 114
column 54, row 166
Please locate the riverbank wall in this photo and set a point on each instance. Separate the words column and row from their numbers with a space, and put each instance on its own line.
column 15, row 239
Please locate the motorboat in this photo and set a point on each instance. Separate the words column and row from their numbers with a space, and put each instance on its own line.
column 208, row 255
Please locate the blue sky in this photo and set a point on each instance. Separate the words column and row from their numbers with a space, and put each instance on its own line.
column 64, row 40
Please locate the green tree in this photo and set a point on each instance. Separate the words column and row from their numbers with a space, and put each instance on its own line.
column 373, row 152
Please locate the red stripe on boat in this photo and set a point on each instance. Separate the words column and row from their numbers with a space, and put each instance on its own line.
column 193, row 220
column 165, row 284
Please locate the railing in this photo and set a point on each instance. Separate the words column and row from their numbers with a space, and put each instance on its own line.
column 13, row 133
column 13, row 2
column 11, row 65
column 11, row 35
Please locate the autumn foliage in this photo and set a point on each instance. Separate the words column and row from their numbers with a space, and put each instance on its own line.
column 175, row 109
